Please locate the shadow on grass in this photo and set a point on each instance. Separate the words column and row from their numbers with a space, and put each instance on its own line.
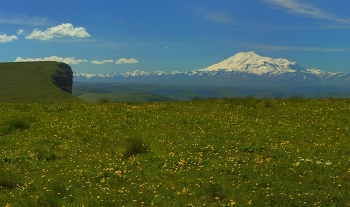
column 16, row 123
column 9, row 180
column 135, row 146
column 45, row 154
column 214, row 192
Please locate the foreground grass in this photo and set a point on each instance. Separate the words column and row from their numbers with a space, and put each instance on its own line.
column 269, row 152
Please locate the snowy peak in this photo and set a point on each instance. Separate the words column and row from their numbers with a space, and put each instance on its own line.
column 250, row 62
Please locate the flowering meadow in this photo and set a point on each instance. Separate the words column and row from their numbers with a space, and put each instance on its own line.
column 228, row 152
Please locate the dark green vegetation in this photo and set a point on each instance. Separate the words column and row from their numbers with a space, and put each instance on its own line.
column 118, row 92
column 133, row 92
column 32, row 82
column 258, row 152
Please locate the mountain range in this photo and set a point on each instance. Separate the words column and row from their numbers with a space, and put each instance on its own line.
column 242, row 69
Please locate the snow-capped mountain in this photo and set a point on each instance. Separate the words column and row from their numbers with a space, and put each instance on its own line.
column 244, row 68
column 250, row 62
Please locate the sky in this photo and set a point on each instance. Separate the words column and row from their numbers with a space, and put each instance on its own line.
column 108, row 36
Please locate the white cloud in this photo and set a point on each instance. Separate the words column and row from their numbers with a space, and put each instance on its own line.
column 165, row 48
column 71, row 60
column 96, row 62
column 313, row 49
column 126, row 61
column 214, row 16
column 62, row 30
column 24, row 20
column 219, row 17
column 20, row 31
column 293, row 6
column 120, row 21
column 4, row 38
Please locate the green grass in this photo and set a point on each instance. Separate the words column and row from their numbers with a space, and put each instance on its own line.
column 30, row 82
column 13, row 124
column 237, row 151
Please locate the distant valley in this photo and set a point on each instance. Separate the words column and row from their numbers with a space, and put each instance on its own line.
column 134, row 92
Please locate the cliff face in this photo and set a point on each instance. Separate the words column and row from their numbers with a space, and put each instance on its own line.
column 63, row 78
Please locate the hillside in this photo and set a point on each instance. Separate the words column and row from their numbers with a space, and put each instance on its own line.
column 34, row 82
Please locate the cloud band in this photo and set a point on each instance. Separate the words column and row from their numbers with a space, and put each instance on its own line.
column 4, row 38
column 62, row 30
column 126, row 61
column 96, row 62
column 71, row 60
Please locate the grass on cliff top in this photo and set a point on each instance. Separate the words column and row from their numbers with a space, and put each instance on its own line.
column 230, row 152
column 30, row 82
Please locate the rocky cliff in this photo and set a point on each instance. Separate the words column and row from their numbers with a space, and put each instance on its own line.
column 63, row 77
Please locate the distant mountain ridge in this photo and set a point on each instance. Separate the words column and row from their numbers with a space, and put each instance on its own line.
column 242, row 69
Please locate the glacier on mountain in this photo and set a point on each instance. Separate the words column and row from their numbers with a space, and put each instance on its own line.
column 250, row 62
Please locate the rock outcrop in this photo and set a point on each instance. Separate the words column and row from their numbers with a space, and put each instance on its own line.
column 63, row 77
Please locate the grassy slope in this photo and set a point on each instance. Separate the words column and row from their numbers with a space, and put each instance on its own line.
column 271, row 152
column 30, row 82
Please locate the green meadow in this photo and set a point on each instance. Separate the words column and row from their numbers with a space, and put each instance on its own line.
column 228, row 152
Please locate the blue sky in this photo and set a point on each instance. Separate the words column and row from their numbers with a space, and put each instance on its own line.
column 119, row 36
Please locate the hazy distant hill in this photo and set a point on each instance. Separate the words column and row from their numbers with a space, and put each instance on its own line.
column 119, row 92
column 36, row 82
column 131, row 92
